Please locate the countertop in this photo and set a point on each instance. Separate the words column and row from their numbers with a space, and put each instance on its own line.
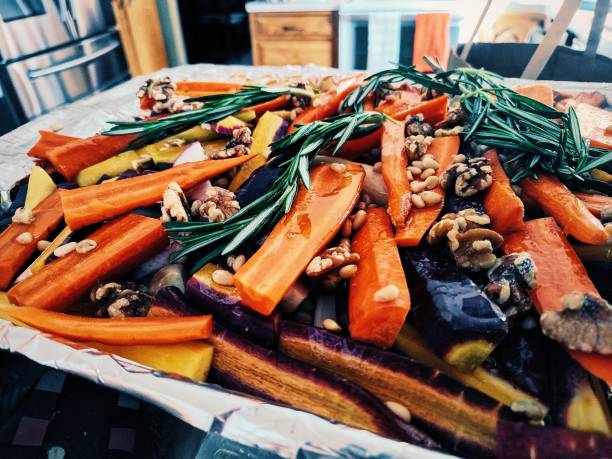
column 294, row 6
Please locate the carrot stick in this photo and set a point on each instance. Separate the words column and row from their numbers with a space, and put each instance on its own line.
column 394, row 164
column 570, row 213
column 205, row 88
column 540, row 92
column 93, row 204
column 131, row 330
column 13, row 255
column 406, row 100
column 433, row 110
column 275, row 104
column 49, row 140
column 121, row 245
column 501, row 202
column 595, row 202
column 420, row 220
column 357, row 147
column 71, row 158
column 559, row 272
column 315, row 217
column 377, row 322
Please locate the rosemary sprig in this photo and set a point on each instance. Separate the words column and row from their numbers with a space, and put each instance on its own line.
column 292, row 154
column 215, row 108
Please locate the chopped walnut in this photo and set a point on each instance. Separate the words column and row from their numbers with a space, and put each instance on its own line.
column 238, row 146
column 121, row 300
column 162, row 91
column 417, row 145
column 584, row 323
column 174, row 204
column 331, row 259
column 468, row 178
column 454, row 117
column 217, row 204
column 416, row 126
column 511, row 278
column 448, row 132
column 23, row 215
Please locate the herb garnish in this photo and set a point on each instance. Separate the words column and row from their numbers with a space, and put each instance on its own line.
column 216, row 107
column 292, row 154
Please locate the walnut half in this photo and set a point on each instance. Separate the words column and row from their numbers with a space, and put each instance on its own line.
column 174, row 204
column 117, row 300
column 216, row 205
column 468, row 178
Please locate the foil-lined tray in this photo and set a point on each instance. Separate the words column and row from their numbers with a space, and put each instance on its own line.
column 231, row 416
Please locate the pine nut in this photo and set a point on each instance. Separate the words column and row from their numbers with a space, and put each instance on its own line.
column 417, row 200
column 23, row 215
column 339, row 168
column 86, row 245
column 432, row 182
column 427, row 173
column 223, row 277
column 42, row 245
column 430, row 198
column 459, row 159
column 345, row 242
column 399, row 410
column 414, row 170
column 65, row 249
column 377, row 167
column 430, row 163
column 416, row 186
column 347, row 228
column 238, row 262
column 418, row 164
column 348, row 271
column 387, row 293
column 409, row 175
column 24, row 238
column 331, row 325
column 427, row 155
column 359, row 220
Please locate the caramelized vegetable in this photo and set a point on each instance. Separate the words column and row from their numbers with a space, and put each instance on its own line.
column 314, row 219
column 111, row 167
column 371, row 320
column 205, row 88
column 93, row 204
column 595, row 202
column 121, row 245
column 356, row 147
column 394, row 164
column 13, row 255
column 569, row 212
column 501, row 202
column 540, row 92
column 433, row 110
column 127, row 331
column 559, row 272
column 419, row 221
column 275, row 104
column 49, row 140
column 40, row 187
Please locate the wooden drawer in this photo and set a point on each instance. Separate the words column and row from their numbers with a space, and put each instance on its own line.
column 294, row 26
column 295, row 52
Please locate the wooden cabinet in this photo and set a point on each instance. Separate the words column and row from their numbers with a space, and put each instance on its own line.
column 294, row 38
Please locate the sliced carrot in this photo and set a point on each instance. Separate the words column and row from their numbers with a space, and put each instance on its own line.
column 595, row 202
column 47, row 141
column 420, row 220
column 372, row 321
column 559, row 272
column 405, row 101
column 540, row 92
column 501, row 203
column 315, row 217
column 93, row 204
column 131, row 330
column 356, row 147
column 570, row 213
column 594, row 125
column 275, row 104
column 433, row 110
column 121, row 245
column 205, row 88
column 13, row 255
column 394, row 164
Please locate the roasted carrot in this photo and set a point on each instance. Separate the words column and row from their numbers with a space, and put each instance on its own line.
column 570, row 213
column 371, row 320
column 420, row 220
column 559, row 272
column 356, row 147
column 406, row 100
column 121, row 245
column 394, row 164
column 433, row 110
column 501, row 202
column 275, row 104
column 205, row 88
column 131, row 330
column 595, row 202
column 93, row 204
column 595, row 125
column 13, row 255
column 71, row 158
column 540, row 92
column 49, row 140
column 314, row 219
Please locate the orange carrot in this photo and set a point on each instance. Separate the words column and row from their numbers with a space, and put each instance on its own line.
column 540, row 92
column 71, row 158
column 372, row 321
column 275, row 104
column 559, row 272
column 394, row 164
column 93, row 204
column 315, row 217
column 595, row 202
column 420, row 220
column 433, row 110
column 13, row 255
column 128, row 331
column 501, row 202
column 356, row 147
column 570, row 213
column 121, row 245
column 406, row 100
column 205, row 88
column 49, row 140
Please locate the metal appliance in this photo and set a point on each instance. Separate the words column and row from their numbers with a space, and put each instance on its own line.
column 54, row 52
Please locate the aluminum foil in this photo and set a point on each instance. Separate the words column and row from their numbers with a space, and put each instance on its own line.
column 228, row 415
